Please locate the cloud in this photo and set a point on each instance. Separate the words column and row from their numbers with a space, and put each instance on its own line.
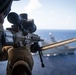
column 32, row 5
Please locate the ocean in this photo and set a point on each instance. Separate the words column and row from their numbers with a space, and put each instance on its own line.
column 59, row 35
column 54, row 65
column 62, row 64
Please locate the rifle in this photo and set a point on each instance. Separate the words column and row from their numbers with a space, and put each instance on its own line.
column 21, row 33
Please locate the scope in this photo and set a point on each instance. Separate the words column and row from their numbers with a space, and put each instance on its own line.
column 22, row 21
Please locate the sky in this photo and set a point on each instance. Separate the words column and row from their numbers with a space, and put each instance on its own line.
column 47, row 14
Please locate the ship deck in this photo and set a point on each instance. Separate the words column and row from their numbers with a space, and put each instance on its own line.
column 54, row 65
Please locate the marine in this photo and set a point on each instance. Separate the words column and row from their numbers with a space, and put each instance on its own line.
column 20, row 61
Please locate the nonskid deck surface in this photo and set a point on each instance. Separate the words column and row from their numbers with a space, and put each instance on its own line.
column 54, row 65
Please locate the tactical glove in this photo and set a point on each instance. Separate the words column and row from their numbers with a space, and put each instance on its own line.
column 19, row 61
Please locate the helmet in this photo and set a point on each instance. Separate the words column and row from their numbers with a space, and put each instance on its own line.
column 4, row 4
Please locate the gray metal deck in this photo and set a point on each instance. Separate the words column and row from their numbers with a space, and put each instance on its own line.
column 54, row 65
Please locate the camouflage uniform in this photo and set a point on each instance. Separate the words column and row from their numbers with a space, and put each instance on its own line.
column 20, row 61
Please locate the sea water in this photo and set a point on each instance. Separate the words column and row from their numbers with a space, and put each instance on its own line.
column 59, row 35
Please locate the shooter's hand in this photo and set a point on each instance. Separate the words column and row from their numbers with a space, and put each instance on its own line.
column 4, row 53
column 6, row 48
